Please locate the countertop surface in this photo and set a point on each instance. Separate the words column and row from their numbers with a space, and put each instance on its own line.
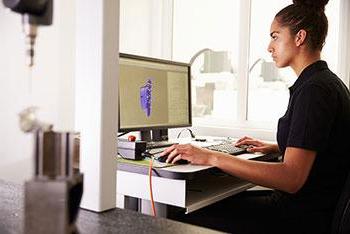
column 112, row 221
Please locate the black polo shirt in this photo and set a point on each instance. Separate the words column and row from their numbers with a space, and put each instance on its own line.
column 318, row 119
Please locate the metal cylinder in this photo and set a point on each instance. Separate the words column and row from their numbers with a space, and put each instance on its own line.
column 54, row 152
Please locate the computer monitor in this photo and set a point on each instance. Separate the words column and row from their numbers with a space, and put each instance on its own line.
column 154, row 94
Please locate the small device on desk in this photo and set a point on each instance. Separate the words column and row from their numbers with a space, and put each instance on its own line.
column 131, row 149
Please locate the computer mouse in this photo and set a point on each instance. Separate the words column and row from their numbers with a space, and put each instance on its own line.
column 164, row 158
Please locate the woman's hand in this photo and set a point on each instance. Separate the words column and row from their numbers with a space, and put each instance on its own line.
column 191, row 153
column 257, row 145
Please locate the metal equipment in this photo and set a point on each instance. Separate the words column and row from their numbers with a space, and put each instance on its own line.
column 53, row 195
column 34, row 13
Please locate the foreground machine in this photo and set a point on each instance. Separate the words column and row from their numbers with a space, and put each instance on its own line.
column 53, row 195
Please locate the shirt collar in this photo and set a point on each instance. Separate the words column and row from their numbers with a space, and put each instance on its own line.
column 308, row 72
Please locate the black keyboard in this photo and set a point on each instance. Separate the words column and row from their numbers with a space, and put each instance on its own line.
column 229, row 148
column 158, row 144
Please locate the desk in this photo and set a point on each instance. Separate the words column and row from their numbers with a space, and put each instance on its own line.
column 190, row 187
column 112, row 221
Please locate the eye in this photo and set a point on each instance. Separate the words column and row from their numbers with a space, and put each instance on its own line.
column 273, row 37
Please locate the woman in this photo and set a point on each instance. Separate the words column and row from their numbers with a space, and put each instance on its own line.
column 307, row 183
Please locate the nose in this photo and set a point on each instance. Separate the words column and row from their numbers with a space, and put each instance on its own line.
column 269, row 48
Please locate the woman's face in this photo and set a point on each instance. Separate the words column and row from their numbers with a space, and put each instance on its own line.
column 282, row 46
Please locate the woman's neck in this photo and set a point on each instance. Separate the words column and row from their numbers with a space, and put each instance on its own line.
column 304, row 60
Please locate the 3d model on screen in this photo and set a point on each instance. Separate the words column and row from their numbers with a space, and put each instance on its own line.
column 146, row 97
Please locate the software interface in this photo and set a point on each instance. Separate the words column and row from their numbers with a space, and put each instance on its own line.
column 153, row 94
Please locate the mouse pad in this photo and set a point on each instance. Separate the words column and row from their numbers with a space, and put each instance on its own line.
column 144, row 162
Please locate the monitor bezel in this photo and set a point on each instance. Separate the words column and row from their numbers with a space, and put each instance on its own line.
column 163, row 61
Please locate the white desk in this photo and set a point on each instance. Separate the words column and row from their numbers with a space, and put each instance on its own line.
column 187, row 186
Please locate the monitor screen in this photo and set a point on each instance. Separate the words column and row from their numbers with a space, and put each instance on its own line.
column 153, row 94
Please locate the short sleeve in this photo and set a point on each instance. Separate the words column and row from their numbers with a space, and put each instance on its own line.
column 312, row 119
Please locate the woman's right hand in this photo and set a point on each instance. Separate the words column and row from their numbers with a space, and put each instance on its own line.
column 257, row 145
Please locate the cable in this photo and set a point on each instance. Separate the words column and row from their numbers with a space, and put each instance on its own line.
column 123, row 133
column 150, row 186
column 192, row 135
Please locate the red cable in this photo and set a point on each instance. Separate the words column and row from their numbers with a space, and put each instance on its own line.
column 150, row 186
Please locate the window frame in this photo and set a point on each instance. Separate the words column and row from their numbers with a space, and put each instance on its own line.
column 243, row 126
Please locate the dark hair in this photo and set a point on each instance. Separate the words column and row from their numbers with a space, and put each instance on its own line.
column 308, row 15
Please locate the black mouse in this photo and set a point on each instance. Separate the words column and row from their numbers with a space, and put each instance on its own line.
column 164, row 158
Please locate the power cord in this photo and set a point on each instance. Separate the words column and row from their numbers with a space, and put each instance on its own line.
column 150, row 186
column 192, row 135
column 123, row 133
column 150, row 169
column 190, row 131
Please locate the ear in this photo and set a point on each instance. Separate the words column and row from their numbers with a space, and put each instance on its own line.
column 300, row 37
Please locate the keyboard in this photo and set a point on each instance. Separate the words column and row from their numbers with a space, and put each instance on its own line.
column 158, row 144
column 229, row 148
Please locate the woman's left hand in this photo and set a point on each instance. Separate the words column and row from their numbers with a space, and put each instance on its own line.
column 191, row 153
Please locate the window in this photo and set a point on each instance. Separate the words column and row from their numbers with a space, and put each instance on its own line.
column 199, row 24
column 234, row 84
column 268, row 86
column 268, row 92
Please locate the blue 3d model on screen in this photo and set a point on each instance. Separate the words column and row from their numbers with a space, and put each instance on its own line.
column 146, row 97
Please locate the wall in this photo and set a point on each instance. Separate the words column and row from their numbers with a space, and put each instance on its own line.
column 146, row 27
column 52, row 84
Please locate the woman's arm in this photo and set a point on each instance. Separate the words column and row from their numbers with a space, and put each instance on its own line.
column 289, row 175
column 257, row 145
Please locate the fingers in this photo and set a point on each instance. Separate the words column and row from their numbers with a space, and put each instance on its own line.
column 249, row 142
column 172, row 155
column 254, row 149
column 168, row 150
column 243, row 139
column 177, row 152
column 176, row 158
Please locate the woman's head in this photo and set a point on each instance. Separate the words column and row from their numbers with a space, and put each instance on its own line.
column 306, row 15
column 298, row 30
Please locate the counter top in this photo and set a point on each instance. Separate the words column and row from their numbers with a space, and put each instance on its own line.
column 112, row 221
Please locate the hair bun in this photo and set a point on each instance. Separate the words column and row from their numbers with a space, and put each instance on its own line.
column 316, row 4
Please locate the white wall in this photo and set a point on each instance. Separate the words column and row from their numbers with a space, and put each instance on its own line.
column 96, row 112
column 135, row 27
column 52, row 84
column 146, row 27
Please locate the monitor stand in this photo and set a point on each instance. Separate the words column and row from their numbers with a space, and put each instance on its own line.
column 157, row 135
column 146, row 135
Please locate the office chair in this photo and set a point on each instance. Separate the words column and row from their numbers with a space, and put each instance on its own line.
column 341, row 218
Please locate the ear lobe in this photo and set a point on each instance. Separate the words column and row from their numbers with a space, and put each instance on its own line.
column 300, row 37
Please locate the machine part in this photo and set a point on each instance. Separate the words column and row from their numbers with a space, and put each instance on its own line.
column 54, row 153
column 52, row 206
column 34, row 13
column 29, row 122
column 30, row 32
column 56, row 189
